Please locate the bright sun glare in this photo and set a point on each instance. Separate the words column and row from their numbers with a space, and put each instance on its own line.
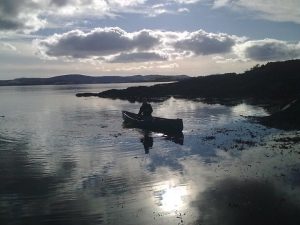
column 172, row 198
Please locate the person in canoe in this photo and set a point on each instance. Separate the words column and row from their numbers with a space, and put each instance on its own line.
column 145, row 110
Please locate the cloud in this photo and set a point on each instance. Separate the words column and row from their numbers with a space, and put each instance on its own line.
column 274, row 10
column 18, row 15
column 9, row 24
column 7, row 46
column 183, row 10
column 98, row 42
column 186, row 1
column 125, row 3
column 203, row 43
column 168, row 66
column 59, row 2
column 138, row 57
column 27, row 16
column 268, row 50
column 115, row 45
column 32, row 15
column 222, row 3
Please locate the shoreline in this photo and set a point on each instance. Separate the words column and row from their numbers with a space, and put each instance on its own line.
column 272, row 86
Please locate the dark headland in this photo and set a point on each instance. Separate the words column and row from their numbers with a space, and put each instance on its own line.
column 275, row 86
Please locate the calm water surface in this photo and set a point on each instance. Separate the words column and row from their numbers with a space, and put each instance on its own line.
column 67, row 160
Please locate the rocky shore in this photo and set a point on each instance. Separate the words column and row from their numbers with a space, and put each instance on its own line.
column 272, row 86
column 286, row 118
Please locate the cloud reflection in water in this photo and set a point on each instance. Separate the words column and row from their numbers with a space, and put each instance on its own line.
column 88, row 169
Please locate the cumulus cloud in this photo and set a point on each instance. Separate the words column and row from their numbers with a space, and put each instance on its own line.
column 98, row 42
column 203, row 43
column 115, row 45
column 269, row 50
column 138, row 57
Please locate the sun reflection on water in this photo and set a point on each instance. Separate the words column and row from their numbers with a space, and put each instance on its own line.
column 171, row 197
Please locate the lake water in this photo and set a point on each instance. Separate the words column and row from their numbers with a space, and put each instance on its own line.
column 68, row 160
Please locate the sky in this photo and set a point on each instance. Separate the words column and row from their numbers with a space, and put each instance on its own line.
column 44, row 38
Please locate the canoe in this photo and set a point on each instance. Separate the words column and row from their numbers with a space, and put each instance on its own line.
column 153, row 123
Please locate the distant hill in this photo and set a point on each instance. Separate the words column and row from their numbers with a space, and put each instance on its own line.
column 83, row 79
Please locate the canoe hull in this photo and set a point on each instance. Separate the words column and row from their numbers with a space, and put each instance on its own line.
column 153, row 123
